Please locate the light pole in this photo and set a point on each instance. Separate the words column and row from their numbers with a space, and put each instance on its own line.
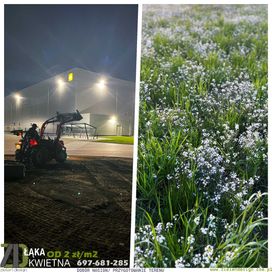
column 102, row 84
column 59, row 85
column 48, row 100
column 17, row 97
column 11, row 109
column 116, row 113
column 75, row 91
column 116, row 103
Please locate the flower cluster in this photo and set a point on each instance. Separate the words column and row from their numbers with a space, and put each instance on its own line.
column 193, row 252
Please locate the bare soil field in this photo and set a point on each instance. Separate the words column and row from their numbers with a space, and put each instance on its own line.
column 83, row 204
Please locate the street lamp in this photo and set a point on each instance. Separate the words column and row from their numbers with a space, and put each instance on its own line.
column 60, row 83
column 17, row 98
column 101, row 83
column 113, row 119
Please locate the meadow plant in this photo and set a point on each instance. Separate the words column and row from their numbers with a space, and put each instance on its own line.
column 202, row 154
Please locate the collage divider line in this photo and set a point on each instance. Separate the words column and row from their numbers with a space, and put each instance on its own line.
column 269, row 139
column 136, row 131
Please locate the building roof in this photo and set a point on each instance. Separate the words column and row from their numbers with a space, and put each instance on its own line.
column 79, row 71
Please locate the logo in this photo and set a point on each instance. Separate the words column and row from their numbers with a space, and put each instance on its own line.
column 12, row 250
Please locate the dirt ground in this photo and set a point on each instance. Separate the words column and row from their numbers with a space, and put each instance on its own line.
column 83, row 204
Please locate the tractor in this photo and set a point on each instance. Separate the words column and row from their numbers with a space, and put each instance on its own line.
column 41, row 151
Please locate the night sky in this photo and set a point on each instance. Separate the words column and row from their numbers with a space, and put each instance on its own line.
column 44, row 40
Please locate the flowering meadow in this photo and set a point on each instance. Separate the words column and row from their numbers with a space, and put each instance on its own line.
column 202, row 155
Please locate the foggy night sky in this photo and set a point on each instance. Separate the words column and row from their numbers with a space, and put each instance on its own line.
column 44, row 40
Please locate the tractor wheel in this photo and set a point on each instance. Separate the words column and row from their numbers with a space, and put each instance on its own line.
column 40, row 156
column 61, row 156
column 18, row 155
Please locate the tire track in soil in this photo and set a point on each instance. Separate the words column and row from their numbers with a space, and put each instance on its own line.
column 116, row 191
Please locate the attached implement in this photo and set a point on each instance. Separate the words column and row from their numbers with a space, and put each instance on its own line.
column 14, row 170
column 43, row 150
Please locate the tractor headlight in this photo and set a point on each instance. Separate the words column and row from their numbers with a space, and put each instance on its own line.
column 18, row 146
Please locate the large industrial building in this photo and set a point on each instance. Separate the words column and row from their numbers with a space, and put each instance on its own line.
column 106, row 103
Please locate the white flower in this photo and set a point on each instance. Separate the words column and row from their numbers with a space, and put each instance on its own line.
column 169, row 225
column 148, row 124
column 212, row 234
column 204, row 230
column 211, row 217
column 191, row 239
column 160, row 239
column 228, row 256
column 159, row 228
column 207, row 255
column 196, row 260
column 209, row 250
column 179, row 263
column 181, row 239
column 197, row 220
